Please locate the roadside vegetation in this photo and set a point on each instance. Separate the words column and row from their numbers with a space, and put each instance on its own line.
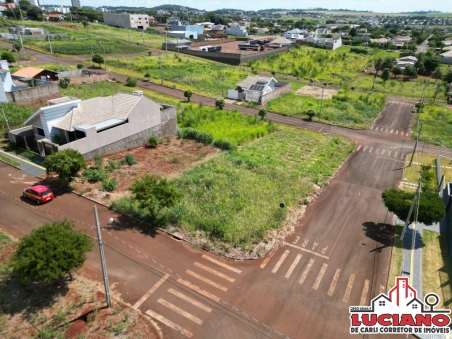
column 436, row 125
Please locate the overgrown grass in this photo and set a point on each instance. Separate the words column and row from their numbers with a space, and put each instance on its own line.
column 372, row 51
column 15, row 114
column 436, row 125
column 346, row 108
column 9, row 161
column 397, row 255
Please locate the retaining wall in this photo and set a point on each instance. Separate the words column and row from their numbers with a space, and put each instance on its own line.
column 34, row 95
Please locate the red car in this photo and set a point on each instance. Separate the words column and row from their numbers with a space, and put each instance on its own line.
column 38, row 193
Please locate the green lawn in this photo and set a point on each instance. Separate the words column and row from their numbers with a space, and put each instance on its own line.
column 372, row 51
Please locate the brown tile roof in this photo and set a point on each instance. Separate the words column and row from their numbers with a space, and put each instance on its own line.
column 28, row 72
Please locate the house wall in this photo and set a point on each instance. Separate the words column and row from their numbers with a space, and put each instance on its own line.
column 126, row 20
column 276, row 93
column 144, row 119
column 34, row 95
column 193, row 28
column 52, row 115
column 237, row 30
column 89, row 79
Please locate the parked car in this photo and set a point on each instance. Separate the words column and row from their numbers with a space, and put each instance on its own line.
column 38, row 193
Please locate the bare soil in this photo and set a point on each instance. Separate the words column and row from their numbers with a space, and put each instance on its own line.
column 168, row 159
column 316, row 92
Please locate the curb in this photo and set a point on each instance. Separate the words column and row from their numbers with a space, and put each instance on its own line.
column 10, row 164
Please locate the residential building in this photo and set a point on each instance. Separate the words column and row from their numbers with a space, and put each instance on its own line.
column 321, row 31
column 55, row 17
column 327, row 43
column 162, row 11
column 218, row 28
column 259, row 90
column 199, row 29
column 264, row 30
column 380, row 41
column 7, row 84
column 22, row 30
column 183, row 34
column 280, row 42
column 136, row 21
column 236, row 31
column 76, row 3
column 100, row 125
column 36, row 73
column 446, row 58
column 175, row 45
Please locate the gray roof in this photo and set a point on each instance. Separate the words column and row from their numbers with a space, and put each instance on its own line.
column 254, row 80
column 97, row 110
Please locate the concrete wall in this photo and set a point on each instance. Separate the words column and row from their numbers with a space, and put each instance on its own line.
column 127, row 20
column 34, row 95
column 89, row 79
column 276, row 93
column 145, row 118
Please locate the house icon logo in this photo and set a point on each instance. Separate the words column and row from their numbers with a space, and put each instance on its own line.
column 400, row 312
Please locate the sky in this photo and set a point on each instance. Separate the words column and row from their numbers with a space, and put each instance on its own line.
column 383, row 6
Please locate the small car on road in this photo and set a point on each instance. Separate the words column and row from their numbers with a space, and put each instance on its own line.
column 38, row 193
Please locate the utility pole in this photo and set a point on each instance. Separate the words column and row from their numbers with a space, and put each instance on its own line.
column 177, row 47
column 161, row 74
column 20, row 10
column 412, row 205
column 22, row 43
column 222, row 85
column 50, row 44
column 102, row 259
column 166, row 42
column 92, row 53
column 6, row 120
column 17, row 56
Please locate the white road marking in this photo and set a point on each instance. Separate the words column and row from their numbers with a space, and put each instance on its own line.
column 359, row 147
column 396, row 154
column 208, row 281
column 221, row 264
column 292, row 267
column 376, row 151
column 383, row 152
column 280, row 261
column 397, row 132
column 334, row 282
column 370, row 151
column 319, row 277
column 197, row 289
column 392, row 131
column 348, row 290
column 148, row 293
column 211, row 270
column 270, row 255
column 365, row 147
column 364, row 293
column 169, row 323
column 386, row 129
column 376, row 128
column 306, row 250
column 372, row 127
column 408, row 134
column 306, row 271
column 401, row 155
column 180, row 311
column 190, row 300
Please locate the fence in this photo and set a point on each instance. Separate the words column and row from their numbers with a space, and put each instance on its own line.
column 34, row 95
column 212, row 42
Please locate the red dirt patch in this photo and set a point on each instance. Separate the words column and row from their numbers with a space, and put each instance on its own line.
column 76, row 328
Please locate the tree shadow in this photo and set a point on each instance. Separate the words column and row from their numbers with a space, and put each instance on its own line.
column 123, row 223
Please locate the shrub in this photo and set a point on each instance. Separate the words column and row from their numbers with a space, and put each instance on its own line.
column 64, row 83
column 224, row 145
column 98, row 161
column 80, row 66
column 219, row 103
column 109, row 185
column 359, row 50
column 131, row 82
column 11, row 146
column 95, row 174
column 193, row 134
column 130, row 159
column 153, row 141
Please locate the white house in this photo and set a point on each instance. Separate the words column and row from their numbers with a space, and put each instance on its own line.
column 259, row 90
column 263, row 30
column 446, row 58
column 7, row 84
column 237, row 31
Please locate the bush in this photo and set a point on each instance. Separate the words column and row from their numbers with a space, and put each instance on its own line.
column 359, row 50
column 131, row 82
column 224, row 145
column 219, row 103
column 11, row 146
column 98, row 161
column 80, row 66
column 95, row 174
column 130, row 159
column 64, row 83
column 109, row 185
column 193, row 134
column 153, row 141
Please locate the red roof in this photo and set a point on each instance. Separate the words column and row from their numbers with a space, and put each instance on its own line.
column 55, row 15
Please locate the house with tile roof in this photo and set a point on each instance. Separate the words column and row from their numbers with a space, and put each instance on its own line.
column 259, row 89
column 100, row 125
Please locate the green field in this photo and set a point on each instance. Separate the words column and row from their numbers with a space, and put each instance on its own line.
column 372, row 51
column 15, row 114
column 436, row 125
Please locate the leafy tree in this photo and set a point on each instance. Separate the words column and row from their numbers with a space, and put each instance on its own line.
column 154, row 193
column 448, row 76
column 262, row 113
column 388, row 62
column 66, row 163
column 188, row 94
column 431, row 62
column 385, row 75
column 147, row 75
column 98, row 59
column 437, row 73
column 17, row 45
column 439, row 87
column 431, row 206
column 64, row 83
column 8, row 56
column 219, row 103
column 396, row 71
column 50, row 252
column 131, row 82
column 80, row 66
column 310, row 114
column 24, row 5
column 410, row 71
column 377, row 66
column 352, row 32
column 35, row 13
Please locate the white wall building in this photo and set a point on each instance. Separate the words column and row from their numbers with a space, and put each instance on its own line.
column 137, row 21
column 237, row 31
column 76, row 3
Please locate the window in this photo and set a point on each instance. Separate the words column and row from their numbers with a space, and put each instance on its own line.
column 79, row 134
column 414, row 306
column 381, row 303
column 40, row 131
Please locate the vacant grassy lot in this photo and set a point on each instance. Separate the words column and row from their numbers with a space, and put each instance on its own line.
column 436, row 125
column 437, row 272
column 15, row 114
column 372, row 51
column 346, row 108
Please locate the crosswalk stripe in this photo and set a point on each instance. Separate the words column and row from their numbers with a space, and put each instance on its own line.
column 365, row 147
column 401, row 155
column 292, row 267
column 364, row 293
column 211, row 270
column 190, row 300
column 397, row 132
column 269, row 256
column 180, row 311
column 221, row 264
column 306, row 271
column 334, row 282
column 392, row 131
column 372, row 127
column 348, row 290
column 197, row 289
column 408, row 134
column 152, row 290
column 319, row 277
column 382, row 289
column 376, row 128
column 382, row 152
column 169, row 323
column 208, row 281
column 359, row 147
column 376, row 151
column 280, row 261
column 389, row 153
column 396, row 154
column 370, row 151
column 386, row 129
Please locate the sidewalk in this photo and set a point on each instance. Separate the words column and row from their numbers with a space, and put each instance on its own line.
column 30, row 167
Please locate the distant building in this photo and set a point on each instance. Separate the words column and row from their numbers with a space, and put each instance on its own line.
column 34, row 2
column 136, row 21
column 76, row 3
column 237, row 31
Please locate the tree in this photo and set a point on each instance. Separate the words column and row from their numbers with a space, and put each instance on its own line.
column 50, row 252
column 17, row 45
column 437, row 73
column 80, row 66
column 188, row 94
column 147, row 75
column 439, row 87
column 448, row 76
column 262, row 113
column 34, row 12
column 377, row 66
column 310, row 114
column 431, row 206
column 98, row 59
column 219, row 103
column 64, row 82
column 396, row 71
column 66, row 164
column 385, row 75
column 352, row 32
column 131, row 82
column 431, row 62
column 388, row 62
column 8, row 56
column 154, row 193
column 410, row 71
